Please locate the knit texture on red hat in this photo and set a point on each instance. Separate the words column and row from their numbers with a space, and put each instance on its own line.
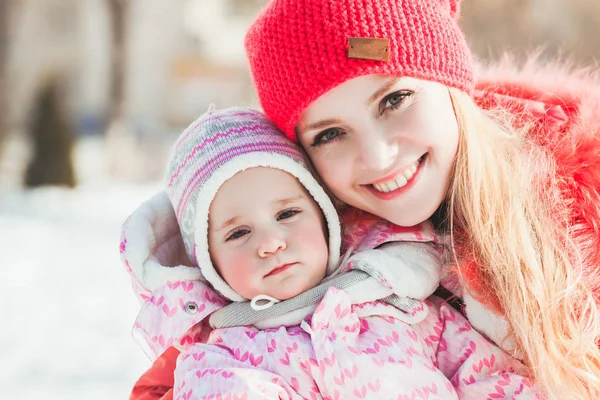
column 298, row 49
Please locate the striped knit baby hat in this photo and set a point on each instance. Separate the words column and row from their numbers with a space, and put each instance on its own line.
column 213, row 149
column 300, row 49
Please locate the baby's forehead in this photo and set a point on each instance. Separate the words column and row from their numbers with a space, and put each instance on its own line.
column 259, row 188
column 273, row 180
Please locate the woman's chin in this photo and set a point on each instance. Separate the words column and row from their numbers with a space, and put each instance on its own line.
column 397, row 216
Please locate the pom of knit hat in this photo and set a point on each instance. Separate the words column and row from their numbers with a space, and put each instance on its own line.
column 213, row 149
column 298, row 49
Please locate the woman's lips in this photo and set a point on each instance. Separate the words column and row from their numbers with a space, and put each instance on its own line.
column 399, row 191
column 280, row 269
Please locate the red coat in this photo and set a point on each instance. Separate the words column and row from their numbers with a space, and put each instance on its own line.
column 564, row 107
column 157, row 382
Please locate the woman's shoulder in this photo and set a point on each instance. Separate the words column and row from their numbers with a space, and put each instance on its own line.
column 558, row 101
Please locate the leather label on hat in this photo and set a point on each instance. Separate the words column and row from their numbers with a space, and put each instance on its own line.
column 377, row 49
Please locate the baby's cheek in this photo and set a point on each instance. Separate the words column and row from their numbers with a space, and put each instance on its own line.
column 236, row 270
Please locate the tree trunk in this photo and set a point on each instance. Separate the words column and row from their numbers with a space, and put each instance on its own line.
column 117, row 134
column 4, row 34
column 52, row 137
column 118, row 11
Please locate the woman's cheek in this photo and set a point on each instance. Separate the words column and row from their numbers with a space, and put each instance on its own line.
column 334, row 174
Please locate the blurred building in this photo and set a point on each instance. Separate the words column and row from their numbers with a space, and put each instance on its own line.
column 42, row 41
column 553, row 27
column 182, row 55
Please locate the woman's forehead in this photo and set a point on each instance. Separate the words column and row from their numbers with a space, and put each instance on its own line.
column 359, row 91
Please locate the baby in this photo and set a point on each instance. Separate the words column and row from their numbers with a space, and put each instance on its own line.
column 301, row 323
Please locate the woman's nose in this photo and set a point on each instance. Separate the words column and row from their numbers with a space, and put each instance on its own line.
column 271, row 243
column 377, row 151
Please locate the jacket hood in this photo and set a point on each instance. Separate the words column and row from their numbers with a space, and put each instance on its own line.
column 152, row 249
column 175, row 299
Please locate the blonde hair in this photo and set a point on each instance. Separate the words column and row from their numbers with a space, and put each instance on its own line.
column 518, row 235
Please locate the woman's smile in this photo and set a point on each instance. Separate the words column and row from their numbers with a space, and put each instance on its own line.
column 397, row 180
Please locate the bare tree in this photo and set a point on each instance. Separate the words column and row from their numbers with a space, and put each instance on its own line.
column 118, row 13
column 4, row 36
column 52, row 137
column 119, row 136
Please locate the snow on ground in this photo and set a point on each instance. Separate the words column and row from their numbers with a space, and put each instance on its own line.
column 67, row 303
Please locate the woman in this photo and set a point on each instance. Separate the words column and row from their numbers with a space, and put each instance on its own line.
column 383, row 98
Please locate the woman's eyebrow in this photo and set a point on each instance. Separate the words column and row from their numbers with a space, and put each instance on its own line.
column 318, row 125
column 382, row 90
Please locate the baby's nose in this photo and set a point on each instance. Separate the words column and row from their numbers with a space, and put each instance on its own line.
column 271, row 244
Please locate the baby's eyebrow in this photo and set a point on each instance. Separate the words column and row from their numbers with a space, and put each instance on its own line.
column 230, row 221
column 281, row 202
column 286, row 201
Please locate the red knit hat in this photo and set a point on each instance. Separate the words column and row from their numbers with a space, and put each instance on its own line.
column 299, row 49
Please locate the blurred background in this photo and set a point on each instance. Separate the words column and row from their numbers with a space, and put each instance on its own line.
column 92, row 95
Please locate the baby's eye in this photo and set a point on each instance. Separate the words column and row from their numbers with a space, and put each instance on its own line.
column 285, row 214
column 237, row 234
column 326, row 136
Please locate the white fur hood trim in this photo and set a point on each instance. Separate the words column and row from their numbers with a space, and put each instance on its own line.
column 152, row 249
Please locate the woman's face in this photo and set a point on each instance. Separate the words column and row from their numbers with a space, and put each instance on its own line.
column 384, row 144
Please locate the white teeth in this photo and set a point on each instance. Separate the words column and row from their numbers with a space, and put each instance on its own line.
column 399, row 181
column 392, row 185
column 403, row 180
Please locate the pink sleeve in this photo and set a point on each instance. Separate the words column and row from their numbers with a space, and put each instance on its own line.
column 210, row 371
column 175, row 315
column 477, row 368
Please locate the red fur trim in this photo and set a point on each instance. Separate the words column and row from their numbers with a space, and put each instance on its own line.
column 472, row 275
column 563, row 105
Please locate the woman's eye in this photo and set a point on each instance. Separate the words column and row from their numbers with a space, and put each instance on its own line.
column 287, row 214
column 394, row 100
column 237, row 234
column 326, row 136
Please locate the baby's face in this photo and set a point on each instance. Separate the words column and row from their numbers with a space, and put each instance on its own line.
column 266, row 235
